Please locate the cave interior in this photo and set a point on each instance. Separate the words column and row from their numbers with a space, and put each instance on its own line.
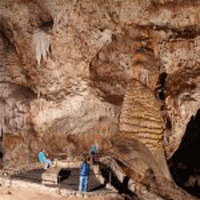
column 184, row 165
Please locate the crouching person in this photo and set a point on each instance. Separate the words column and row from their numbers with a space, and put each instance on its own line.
column 84, row 175
column 47, row 163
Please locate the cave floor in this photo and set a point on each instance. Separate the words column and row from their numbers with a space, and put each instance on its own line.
column 69, row 179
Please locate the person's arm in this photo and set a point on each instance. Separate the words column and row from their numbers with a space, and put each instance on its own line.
column 88, row 166
column 46, row 154
column 88, row 169
column 81, row 166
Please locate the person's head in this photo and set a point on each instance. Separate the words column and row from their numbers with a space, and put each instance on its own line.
column 43, row 150
column 86, row 159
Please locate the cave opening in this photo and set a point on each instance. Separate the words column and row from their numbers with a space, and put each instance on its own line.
column 184, row 164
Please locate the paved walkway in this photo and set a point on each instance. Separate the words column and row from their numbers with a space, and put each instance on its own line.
column 68, row 173
column 69, row 179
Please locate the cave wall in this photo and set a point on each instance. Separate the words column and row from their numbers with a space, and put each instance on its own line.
column 66, row 64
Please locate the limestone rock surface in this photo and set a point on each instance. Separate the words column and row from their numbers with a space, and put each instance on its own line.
column 65, row 65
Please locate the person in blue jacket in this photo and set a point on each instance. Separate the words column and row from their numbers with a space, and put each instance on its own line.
column 84, row 175
column 44, row 160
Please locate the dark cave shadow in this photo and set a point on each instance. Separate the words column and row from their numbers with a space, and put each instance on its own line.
column 97, row 188
column 34, row 175
column 110, row 177
column 185, row 163
column 63, row 174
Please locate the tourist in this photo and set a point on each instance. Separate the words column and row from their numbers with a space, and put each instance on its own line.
column 93, row 152
column 84, row 175
column 47, row 163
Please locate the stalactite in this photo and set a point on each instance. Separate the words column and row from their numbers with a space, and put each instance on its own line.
column 41, row 45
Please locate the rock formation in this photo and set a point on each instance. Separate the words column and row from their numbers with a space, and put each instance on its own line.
column 66, row 68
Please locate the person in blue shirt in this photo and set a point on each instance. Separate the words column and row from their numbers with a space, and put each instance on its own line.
column 44, row 160
column 84, row 175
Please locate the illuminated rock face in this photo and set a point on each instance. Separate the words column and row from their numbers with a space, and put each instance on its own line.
column 65, row 66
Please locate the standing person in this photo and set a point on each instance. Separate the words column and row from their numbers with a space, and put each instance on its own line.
column 93, row 156
column 93, row 152
column 44, row 160
column 84, row 175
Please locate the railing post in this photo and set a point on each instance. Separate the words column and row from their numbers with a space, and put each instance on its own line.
column 110, row 177
column 59, row 184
